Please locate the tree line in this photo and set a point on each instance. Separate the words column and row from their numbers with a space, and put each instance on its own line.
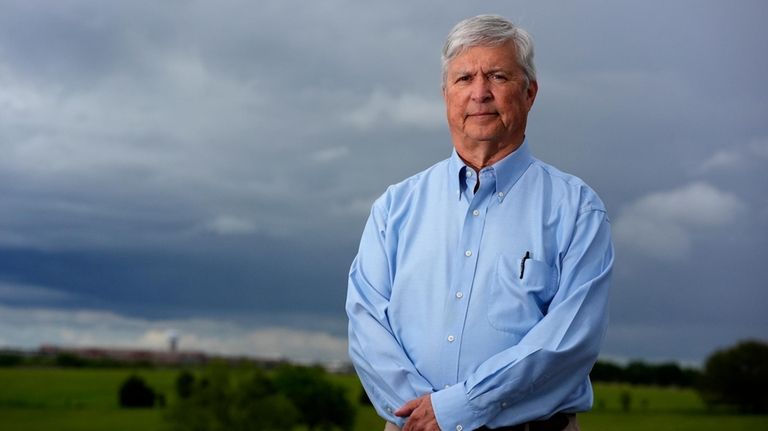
column 642, row 373
column 66, row 360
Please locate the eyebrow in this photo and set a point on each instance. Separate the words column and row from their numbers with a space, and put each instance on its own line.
column 459, row 72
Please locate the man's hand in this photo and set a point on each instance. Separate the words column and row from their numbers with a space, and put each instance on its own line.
column 422, row 416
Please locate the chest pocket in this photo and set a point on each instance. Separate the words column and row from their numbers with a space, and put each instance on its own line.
column 515, row 304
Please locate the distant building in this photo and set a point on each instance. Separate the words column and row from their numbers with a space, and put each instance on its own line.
column 173, row 341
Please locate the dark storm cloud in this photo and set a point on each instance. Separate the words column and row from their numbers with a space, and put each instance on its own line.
column 181, row 159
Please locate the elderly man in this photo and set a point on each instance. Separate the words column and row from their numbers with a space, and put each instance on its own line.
column 478, row 298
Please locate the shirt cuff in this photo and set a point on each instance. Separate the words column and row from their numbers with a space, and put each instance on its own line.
column 453, row 411
column 387, row 412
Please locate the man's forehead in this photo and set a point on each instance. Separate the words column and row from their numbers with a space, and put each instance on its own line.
column 501, row 56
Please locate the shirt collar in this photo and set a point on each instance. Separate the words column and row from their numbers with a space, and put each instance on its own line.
column 508, row 170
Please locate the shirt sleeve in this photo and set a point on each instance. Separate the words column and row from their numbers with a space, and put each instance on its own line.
column 536, row 377
column 387, row 374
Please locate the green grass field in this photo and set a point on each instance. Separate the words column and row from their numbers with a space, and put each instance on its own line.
column 41, row 399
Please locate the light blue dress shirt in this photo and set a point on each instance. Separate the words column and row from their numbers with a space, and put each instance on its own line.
column 442, row 301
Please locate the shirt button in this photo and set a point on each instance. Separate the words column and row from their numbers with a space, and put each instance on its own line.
column 447, row 386
column 475, row 213
column 468, row 253
column 468, row 173
column 459, row 295
column 451, row 338
column 501, row 194
column 459, row 427
column 504, row 404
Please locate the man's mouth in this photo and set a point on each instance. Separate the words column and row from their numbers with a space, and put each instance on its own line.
column 483, row 114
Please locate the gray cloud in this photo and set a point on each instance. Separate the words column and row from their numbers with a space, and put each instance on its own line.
column 405, row 110
column 662, row 224
column 748, row 156
column 231, row 225
column 20, row 293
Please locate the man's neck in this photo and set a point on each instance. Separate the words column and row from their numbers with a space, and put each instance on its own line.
column 478, row 155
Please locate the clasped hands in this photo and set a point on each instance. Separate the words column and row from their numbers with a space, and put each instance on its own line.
column 421, row 416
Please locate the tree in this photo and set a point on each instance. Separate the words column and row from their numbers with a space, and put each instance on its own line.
column 184, row 384
column 669, row 374
column 70, row 360
column 219, row 401
column 738, row 377
column 10, row 359
column 626, row 401
column 250, row 399
column 134, row 392
column 639, row 373
column 322, row 404
column 257, row 405
column 606, row 372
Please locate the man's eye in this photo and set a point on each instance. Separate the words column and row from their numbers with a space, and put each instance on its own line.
column 498, row 77
column 463, row 78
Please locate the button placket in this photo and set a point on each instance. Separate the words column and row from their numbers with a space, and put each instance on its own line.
column 474, row 209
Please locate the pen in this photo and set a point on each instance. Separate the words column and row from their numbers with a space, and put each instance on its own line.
column 522, row 263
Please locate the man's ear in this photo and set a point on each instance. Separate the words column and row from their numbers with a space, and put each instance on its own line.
column 531, row 92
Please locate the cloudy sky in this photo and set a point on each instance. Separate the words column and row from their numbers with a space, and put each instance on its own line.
column 207, row 167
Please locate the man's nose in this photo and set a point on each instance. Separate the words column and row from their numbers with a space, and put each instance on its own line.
column 481, row 90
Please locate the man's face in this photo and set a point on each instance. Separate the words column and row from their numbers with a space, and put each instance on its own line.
column 487, row 97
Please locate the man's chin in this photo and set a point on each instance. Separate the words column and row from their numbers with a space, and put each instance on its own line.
column 481, row 135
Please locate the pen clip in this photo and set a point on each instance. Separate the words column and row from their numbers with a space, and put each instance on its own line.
column 522, row 263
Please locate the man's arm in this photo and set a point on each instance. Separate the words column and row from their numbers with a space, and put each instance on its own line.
column 386, row 372
column 534, row 378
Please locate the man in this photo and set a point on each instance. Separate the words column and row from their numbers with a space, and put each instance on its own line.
column 478, row 298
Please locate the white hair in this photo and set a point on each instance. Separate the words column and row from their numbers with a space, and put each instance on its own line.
column 489, row 30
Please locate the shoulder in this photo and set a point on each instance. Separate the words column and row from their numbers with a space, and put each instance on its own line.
column 401, row 194
column 567, row 189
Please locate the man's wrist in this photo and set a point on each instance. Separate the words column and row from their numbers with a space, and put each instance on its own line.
column 453, row 410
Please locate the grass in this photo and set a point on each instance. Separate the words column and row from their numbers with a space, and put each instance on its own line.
column 84, row 419
column 42, row 399
column 33, row 399
column 76, row 389
column 647, row 399
column 594, row 421
column 660, row 409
